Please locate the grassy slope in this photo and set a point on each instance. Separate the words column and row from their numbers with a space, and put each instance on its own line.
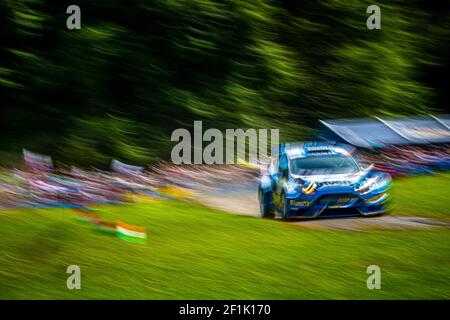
column 194, row 253
column 423, row 195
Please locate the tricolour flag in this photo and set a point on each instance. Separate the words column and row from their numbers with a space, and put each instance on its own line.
column 130, row 233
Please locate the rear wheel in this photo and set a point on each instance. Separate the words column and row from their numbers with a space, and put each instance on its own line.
column 264, row 204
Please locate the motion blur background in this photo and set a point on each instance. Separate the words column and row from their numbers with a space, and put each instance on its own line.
column 139, row 69
column 114, row 91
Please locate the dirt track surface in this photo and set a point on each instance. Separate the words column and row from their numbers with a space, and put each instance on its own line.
column 245, row 202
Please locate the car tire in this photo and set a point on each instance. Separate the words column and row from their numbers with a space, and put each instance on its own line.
column 264, row 204
column 284, row 210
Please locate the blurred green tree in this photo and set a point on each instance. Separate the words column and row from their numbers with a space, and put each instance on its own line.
column 139, row 69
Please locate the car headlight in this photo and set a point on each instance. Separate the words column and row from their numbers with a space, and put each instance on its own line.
column 309, row 187
column 373, row 183
column 366, row 185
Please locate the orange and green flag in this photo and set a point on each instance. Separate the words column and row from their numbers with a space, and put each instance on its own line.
column 130, row 233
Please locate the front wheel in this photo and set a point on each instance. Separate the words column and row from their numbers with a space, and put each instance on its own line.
column 284, row 208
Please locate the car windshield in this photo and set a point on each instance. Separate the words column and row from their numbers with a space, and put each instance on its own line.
column 316, row 165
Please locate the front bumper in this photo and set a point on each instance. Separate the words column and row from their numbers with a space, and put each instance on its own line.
column 345, row 200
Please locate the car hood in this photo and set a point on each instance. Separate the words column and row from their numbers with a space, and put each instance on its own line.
column 336, row 179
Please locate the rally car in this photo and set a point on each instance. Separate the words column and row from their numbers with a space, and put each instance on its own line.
column 309, row 180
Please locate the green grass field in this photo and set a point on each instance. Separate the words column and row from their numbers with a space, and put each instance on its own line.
column 423, row 195
column 198, row 253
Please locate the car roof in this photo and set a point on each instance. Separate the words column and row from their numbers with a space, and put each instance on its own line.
column 306, row 149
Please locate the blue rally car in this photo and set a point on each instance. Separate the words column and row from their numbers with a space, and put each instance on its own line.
column 309, row 180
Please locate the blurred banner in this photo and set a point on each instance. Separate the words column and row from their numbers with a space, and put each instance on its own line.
column 121, row 167
column 37, row 162
column 381, row 133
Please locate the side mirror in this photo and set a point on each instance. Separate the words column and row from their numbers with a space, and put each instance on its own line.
column 367, row 166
